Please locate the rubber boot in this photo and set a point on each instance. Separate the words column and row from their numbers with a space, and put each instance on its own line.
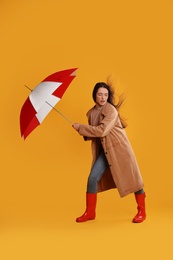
column 91, row 199
column 141, row 215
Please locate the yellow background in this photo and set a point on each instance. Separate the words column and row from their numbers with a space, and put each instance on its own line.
column 43, row 179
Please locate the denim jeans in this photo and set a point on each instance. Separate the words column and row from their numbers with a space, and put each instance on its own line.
column 97, row 172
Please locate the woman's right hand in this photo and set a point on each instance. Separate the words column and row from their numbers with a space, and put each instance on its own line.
column 76, row 126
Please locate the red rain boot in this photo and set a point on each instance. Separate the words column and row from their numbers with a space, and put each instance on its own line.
column 91, row 199
column 141, row 215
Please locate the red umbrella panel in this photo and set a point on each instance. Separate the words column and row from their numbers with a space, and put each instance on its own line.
column 43, row 98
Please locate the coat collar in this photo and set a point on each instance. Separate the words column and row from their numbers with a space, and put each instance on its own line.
column 103, row 110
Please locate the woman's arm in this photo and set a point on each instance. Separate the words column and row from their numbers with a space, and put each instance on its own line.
column 102, row 129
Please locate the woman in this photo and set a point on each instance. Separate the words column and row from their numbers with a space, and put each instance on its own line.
column 114, row 164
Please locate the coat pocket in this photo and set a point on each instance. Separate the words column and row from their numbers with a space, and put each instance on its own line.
column 110, row 143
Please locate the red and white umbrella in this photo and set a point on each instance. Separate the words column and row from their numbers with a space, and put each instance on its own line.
column 43, row 98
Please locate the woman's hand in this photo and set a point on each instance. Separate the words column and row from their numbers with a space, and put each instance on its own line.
column 76, row 126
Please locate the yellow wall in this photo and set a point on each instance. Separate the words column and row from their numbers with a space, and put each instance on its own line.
column 129, row 40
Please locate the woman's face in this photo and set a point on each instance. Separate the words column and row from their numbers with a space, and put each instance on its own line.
column 102, row 96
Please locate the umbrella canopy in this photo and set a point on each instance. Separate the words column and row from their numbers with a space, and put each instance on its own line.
column 43, row 98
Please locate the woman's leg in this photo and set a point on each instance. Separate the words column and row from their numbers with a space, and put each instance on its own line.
column 96, row 173
column 140, row 191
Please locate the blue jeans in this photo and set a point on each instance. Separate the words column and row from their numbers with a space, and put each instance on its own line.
column 96, row 173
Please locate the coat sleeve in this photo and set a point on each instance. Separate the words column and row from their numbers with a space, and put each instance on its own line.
column 107, row 123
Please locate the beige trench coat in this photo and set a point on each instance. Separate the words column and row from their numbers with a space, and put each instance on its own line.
column 123, row 172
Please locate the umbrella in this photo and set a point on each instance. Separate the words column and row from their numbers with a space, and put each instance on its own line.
column 43, row 98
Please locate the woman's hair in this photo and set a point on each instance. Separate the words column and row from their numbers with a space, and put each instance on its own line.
column 111, row 99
